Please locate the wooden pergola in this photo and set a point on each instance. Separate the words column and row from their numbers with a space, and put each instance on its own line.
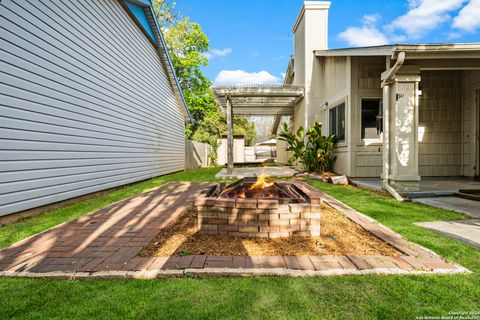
column 258, row 100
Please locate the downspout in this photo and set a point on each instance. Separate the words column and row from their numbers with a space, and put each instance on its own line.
column 386, row 125
column 393, row 70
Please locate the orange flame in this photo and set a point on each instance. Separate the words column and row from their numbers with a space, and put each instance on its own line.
column 262, row 182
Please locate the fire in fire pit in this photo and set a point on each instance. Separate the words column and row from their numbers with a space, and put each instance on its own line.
column 262, row 188
column 260, row 207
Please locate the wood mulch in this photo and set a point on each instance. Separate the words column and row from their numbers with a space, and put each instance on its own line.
column 339, row 236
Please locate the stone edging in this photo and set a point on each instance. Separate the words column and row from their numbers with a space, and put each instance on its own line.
column 154, row 274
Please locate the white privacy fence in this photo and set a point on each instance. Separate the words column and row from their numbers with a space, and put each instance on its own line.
column 196, row 154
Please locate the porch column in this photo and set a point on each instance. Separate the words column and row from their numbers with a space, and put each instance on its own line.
column 403, row 128
column 229, row 136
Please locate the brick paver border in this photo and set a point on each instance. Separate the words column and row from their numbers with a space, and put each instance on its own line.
column 127, row 226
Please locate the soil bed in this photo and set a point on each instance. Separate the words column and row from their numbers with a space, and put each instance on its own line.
column 339, row 236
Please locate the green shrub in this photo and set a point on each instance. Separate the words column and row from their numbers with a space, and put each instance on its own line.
column 311, row 148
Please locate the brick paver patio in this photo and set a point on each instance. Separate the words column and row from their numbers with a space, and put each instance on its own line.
column 105, row 244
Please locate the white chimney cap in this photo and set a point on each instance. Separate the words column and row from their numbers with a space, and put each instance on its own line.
column 311, row 5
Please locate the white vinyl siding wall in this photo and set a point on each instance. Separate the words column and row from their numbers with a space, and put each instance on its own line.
column 85, row 103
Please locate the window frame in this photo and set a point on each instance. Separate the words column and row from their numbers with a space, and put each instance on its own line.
column 335, row 106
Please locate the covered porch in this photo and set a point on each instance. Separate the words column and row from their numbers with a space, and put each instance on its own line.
column 431, row 116
column 254, row 100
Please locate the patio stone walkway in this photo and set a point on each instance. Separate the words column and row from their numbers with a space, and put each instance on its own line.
column 108, row 239
column 467, row 230
column 467, row 207
column 105, row 244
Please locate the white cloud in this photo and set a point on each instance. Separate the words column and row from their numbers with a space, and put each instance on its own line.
column 243, row 77
column 217, row 53
column 363, row 36
column 366, row 35
column 468, row 19
column 424, row 16
column 370, row 19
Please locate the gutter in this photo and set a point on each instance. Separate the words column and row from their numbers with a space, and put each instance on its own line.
column 386, row 118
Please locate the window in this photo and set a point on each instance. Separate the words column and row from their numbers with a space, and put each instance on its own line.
column 371, row 118
column 337, row 121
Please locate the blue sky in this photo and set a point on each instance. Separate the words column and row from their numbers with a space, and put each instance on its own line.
column 251, row 40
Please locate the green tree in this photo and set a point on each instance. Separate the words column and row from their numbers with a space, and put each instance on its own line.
column 165, row 13
column 243, row 126
column 214, row 125
column 188, row 45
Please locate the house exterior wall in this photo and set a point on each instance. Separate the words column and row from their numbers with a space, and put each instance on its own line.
column 442, row 118
column 86, row 103
column 330, row 86
column 471, row 124
column 440, row 124
column 337, row 79
column 366, row 156
column 310, row 33
column 299, row 116
column 336, row 74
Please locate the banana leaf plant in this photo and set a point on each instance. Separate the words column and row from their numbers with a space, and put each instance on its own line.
column 310, row 147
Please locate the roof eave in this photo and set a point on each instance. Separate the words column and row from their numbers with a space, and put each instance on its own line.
column 290, row 69
column 162, row 50
column 413, row 51
column 439, row 51
column 360, row 51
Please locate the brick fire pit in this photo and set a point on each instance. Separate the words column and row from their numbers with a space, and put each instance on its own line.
column 247, row 208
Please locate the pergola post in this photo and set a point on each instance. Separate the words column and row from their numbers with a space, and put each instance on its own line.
column 229, row 135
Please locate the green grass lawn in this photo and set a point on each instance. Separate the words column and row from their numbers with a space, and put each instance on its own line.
column 346, row 297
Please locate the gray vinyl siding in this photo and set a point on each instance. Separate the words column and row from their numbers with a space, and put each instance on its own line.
column 85, row 103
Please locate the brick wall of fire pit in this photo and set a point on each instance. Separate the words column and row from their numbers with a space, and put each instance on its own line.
column 265, row 218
